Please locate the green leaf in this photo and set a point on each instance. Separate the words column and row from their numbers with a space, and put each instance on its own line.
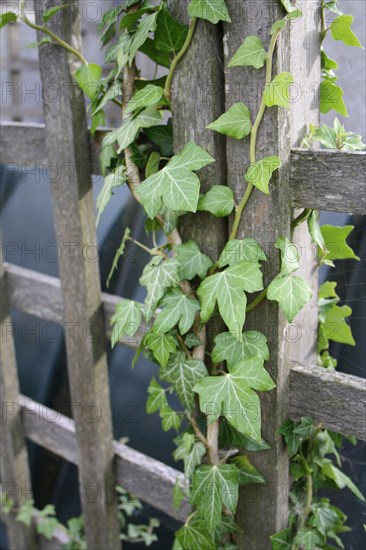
column 114, row 179
column 279, row 25
column 26, row 513
column 178, row 496
column 325, row 518
column 191, row 452
column 327, row 290
column 229, row 437
column 227, row 348
column 341, row 480
column 282, row 540
column 292, row 293
column 214, row 487
column 48, row 14
column 315, row 231
column 162, row 137
column 289, row 6
column 161, row 58
column 247, row 473
column 326, row 136
column 331, row 97
column 126, row 320
column 131, row 18
column 176, row 186
column 31, row 45
column 250, row 54
column 341, row 30
column 226, row 288
column 327, row 63
column 237, row 251
column 290, row 256
column 162, row 346
column 170, row 34
column 183, row 373
column 179, row 310
column 153, row 163
column 119, row 253
column 308, row 538
column 254, row 374
column 47, row 527
column 230, row 396
column 335, row 242
column 88, row 76
column 234, row 123
column 146, row 25
column 292, row 439
column 6, row 18
column 194, row 535
column 219, row 200
column 277, row 92
column 126, row 134
column 150, row 95
column 157, row 397
column 157, row 277
column 260, row 173
column 192, row 261
column 170, row 419
column 212, row 10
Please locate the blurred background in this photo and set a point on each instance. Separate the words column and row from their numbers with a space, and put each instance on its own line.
column 27, row 227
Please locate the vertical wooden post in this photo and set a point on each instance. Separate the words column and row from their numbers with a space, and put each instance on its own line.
column 15, row 475
column 263, row 509
column 68, row 149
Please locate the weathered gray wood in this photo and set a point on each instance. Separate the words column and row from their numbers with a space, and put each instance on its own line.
column 329, row 180
column 334, row 399
column 15, row 475
column 68, row 145
column 266, row 219
column 24, row 145
column 151, row 480
column 40, row 295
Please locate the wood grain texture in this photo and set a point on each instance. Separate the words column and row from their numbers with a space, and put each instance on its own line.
column 14, row 467
column 68, row 145
column 40, row 295
column 266, row 218
column 329, row 180
column 334, row 399
column 147, row 478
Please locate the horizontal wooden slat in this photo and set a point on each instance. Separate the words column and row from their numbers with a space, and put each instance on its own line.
column 329, row 180
column 40, row 295
column 25, row 145
column 334, row 399
column 147, row 478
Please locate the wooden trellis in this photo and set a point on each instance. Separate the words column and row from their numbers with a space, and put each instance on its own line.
column 324, row 180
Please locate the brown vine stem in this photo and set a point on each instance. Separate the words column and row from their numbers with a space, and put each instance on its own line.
column 253, row 136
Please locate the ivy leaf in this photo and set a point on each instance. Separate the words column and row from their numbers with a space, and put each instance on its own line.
column 192, row 261
column 331, row 97
column 88, row 76
column 145, row 98
column 157, row 277
column 250, row 54
column 170, row 34
column 183, row 373
column 235, row 123
column 254, row 374
column 290, row 256
column 6, row 18
column 46, row 527
column 239, row 250
column 162, row 346
column 127, row 132
column 341, row 480
column 119, row 253
column 333, row 324
column 114, row 179
column 146, row 25
column 260, row 173
column 161, row 58
column 31, row 45
column 157, row 397
column 170, row 419
column 179, row 310
column 230, row 396
column 219, row 200
column 325, row 518
column 126, row 320
column 282, row 540
column 247, row 473
column 229, row 437
column 50, row 12
column 315, row 231
column 326, row 136
column 227, row 348
column 153, row 163
column 194, row 535
column 341, row 30
column 292, row 293
column 226, row 288
column 26, row 513
column 162, row 137
column 212, row 10
column 175, row 185
column 191, row 455
column 213, row 487
column 277, row 92
column 308, row 538
column 335, row 242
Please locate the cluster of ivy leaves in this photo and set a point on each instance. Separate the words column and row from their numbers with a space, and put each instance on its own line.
column 186, row 288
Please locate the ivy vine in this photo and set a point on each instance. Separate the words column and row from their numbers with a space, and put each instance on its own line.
column 186, row 288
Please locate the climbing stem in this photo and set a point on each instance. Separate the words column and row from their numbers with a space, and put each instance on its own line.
column 301, row 218
column 253, row 136
column 177, row 58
